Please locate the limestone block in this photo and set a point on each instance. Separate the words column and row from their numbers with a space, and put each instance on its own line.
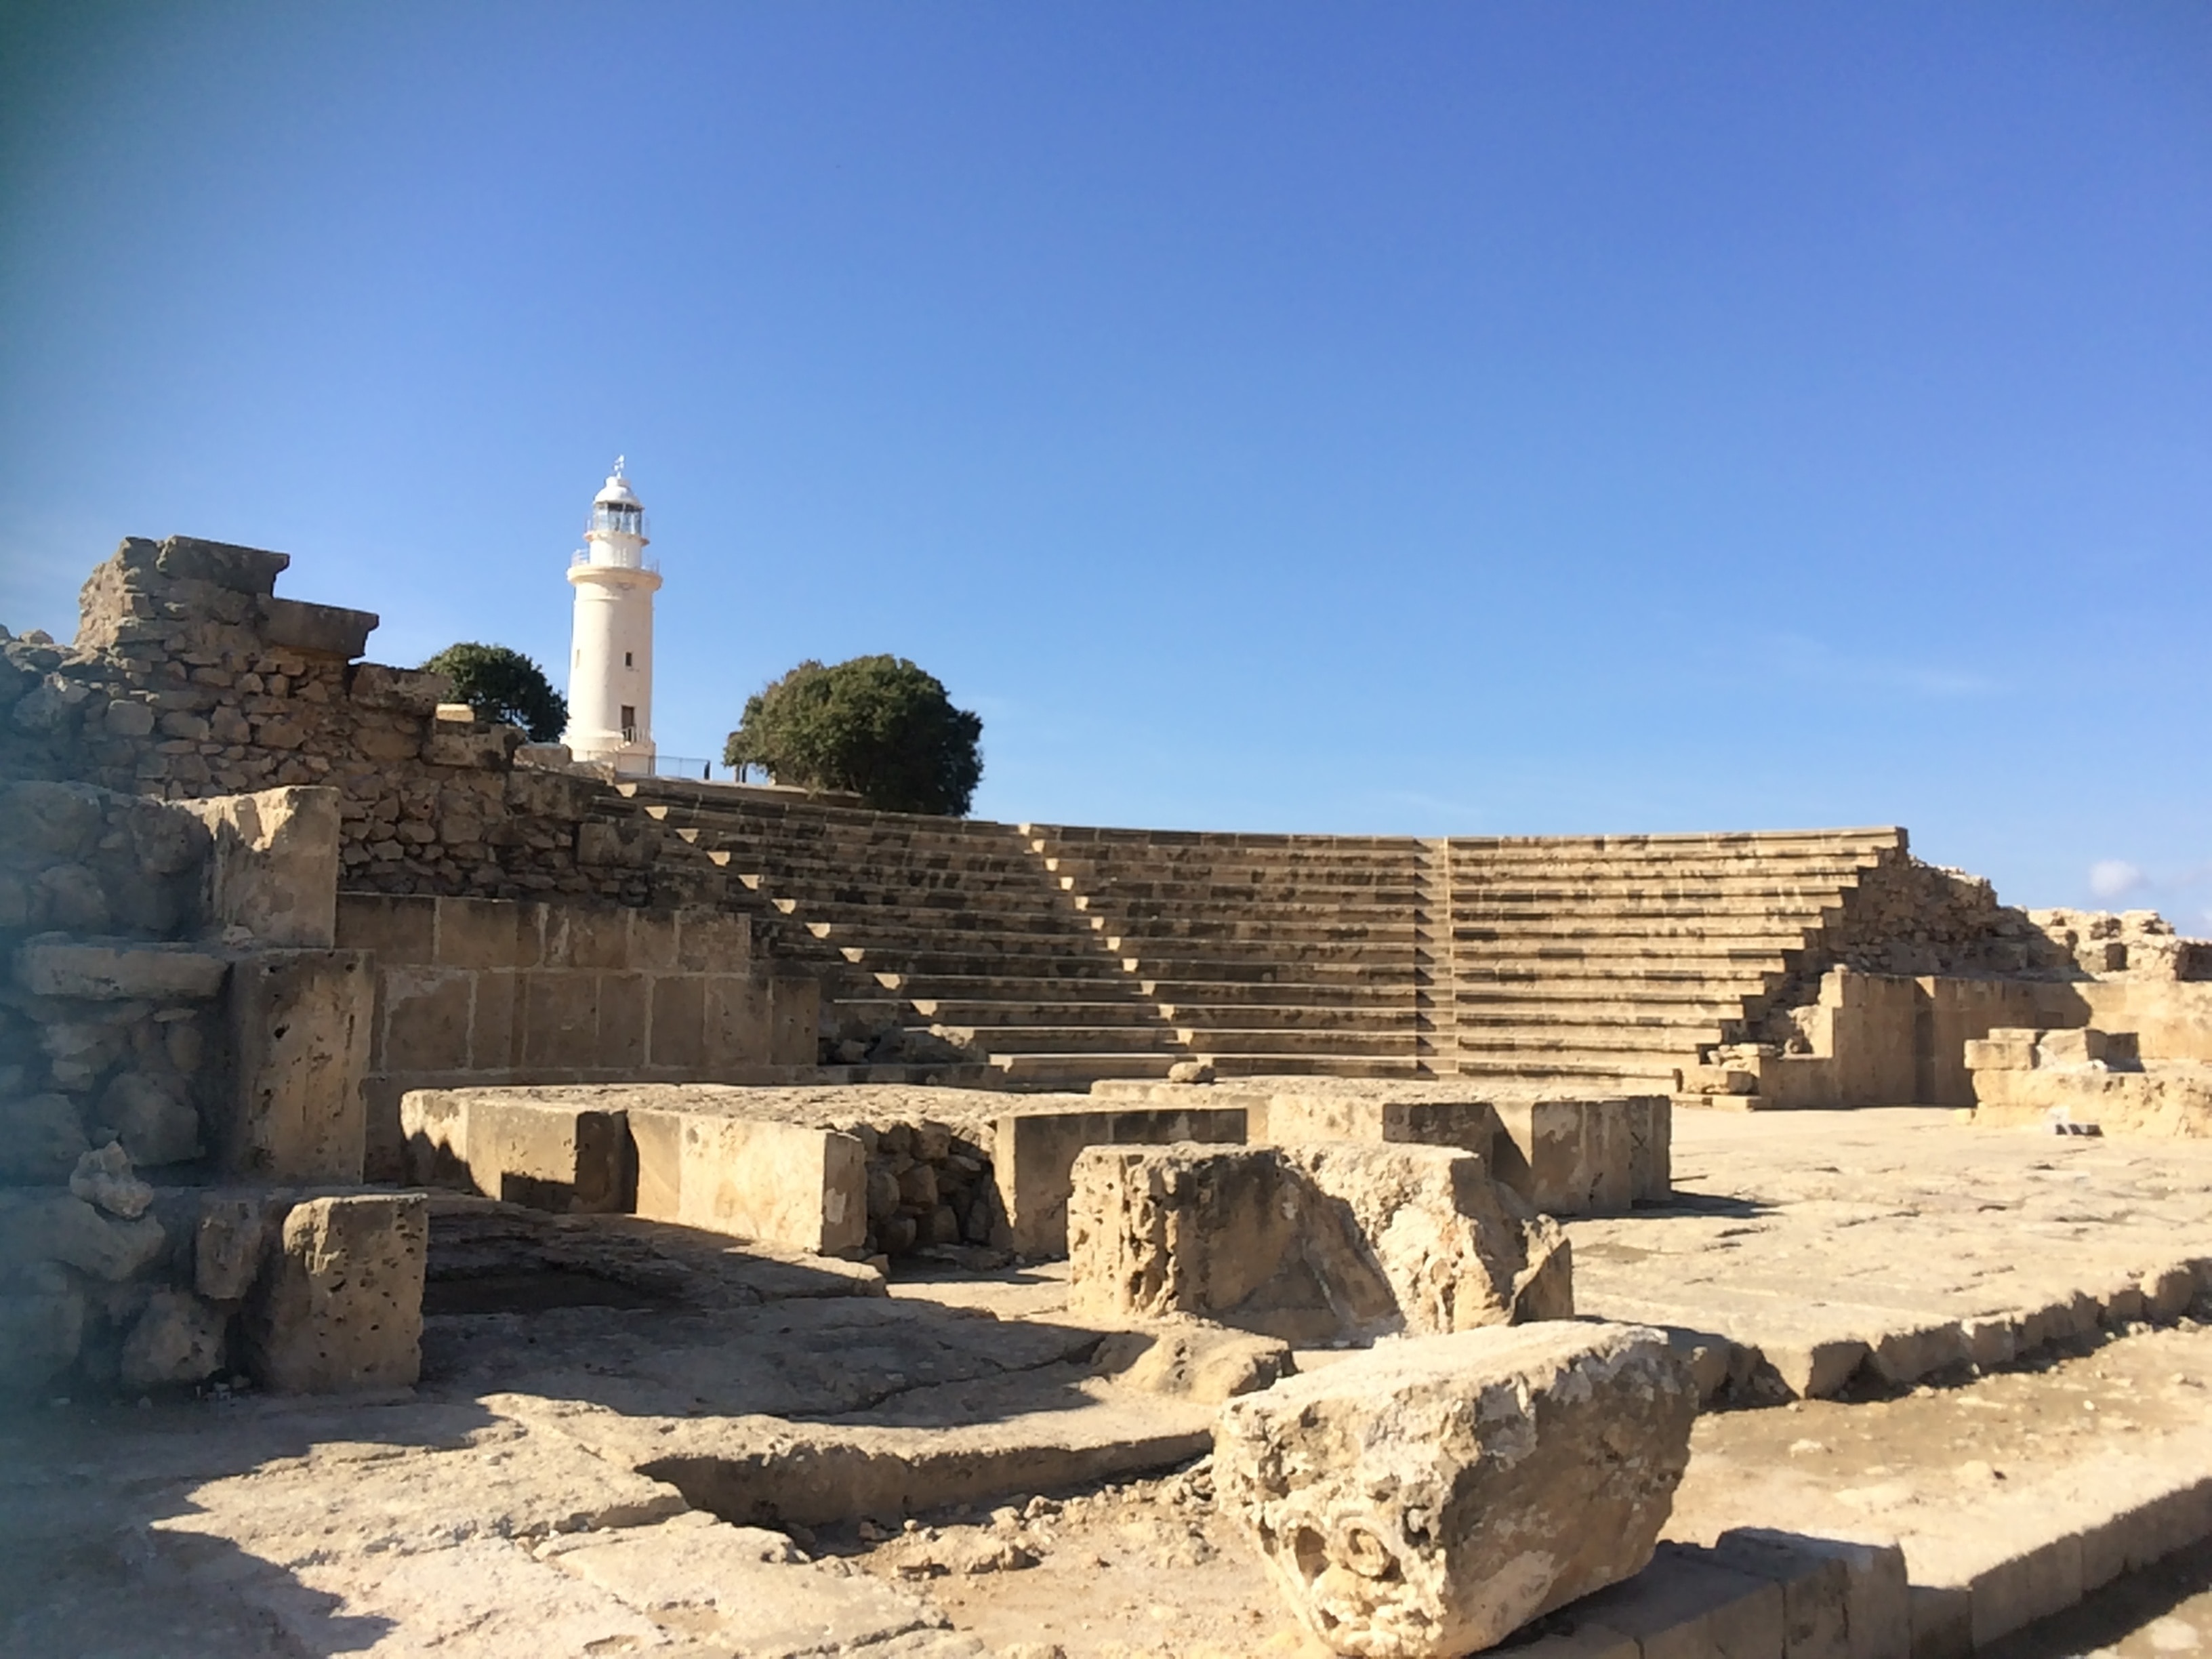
column 340, row 1308
column 228, row 1241
column 276, row 864
column 1311, row 1244
column 103, row 1179
column 41, row 1328
column 2002, row 1051
column 56, row 967
column 151, row 1117
column 300, row 1030
column 325, row 630
column 780, row 1183
column 551, row 1153
column 40, row 1139
column 1568, row 1157
column 425, row 1019
column 487, row 933
column 177, row 1339
column 491, row 746
column 795, row 1019
column 398, row 928
column 64, row 1227
column 409, row 690
column 1841, row 1599
column 434, row 1125
column 1428, row 1497
column 54, row 820
column 222, row 564
column 1033, row 1153
column 1191, row 1359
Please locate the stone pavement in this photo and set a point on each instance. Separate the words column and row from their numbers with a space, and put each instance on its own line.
column 1815, row 1250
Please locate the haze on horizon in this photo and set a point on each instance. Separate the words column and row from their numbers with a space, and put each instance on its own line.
column 1434, row 419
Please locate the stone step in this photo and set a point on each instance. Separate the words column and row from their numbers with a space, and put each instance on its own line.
column 1702, row 954
column 1135, row 1012
column 1055, row 980
column 1394, row 968
column 1318, row 927
column 1672, row 1004
column 1734, row 929
column 1538, row 976
column 1555, row 1025
column 1359, row 991
column 965, row 941
column 1137, row 893
column 1090, row 836
column 1293, row 1016
column 1661, row 1071
column 804, row 863
column 1606, row 913
column 943, row 967
column 1306, row 1064
column 1217, row 1041
column 1042, row 1071
column 1182, row 958
column 890, row 920
column 997, row 1040
column 1584, row 1040
column 830, row 880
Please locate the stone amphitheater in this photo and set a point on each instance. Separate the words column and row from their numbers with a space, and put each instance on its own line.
column 454, row 1199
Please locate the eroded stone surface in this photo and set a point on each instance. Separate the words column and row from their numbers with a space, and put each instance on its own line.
column 1315, row 1243
column 1429, row 1497
column 341, row 1307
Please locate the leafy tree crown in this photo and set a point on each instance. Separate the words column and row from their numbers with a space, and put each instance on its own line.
column 877, row 726
column 505, row 688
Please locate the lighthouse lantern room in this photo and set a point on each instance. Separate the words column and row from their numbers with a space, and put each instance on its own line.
column 611, row 659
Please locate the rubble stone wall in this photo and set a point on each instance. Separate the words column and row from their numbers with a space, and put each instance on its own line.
column 190, row 677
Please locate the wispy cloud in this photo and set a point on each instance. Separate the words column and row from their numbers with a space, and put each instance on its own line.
column 1802, row 657
column 2111, row 878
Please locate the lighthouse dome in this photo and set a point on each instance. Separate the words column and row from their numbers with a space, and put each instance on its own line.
column 618, row 492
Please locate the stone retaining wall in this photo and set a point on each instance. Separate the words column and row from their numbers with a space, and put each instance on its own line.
column 478, row 992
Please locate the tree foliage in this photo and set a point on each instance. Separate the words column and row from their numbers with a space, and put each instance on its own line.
column 877, row 726
column 505, row 688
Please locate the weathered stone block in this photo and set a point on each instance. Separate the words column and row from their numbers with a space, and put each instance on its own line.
column 152, row 1119
column 794, row 1006
column 587, row 936
column 622, row 1027
column 680, row 1022
column 494, row 1028
column 66, row 968
column 300, row 1030
column 104, row 1180
column 222, row 564
column 736, row 1029
column 325, row 630
column 341, row 1307
column 1429, row 1497
column 551, row 1153
column 425, row 1019
column 486, row 934
column 1312, row 1243
column 561, row 1019
column 229, row 1239
column 398, row 928
column 276, row 864
column 782, row 1183
column 1034, row 1152
column 65, row 1228
column 177, row 1339
column 713, row 942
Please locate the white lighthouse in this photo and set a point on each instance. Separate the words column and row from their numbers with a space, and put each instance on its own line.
column 611, row 663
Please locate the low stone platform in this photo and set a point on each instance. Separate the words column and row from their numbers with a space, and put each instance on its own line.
column 1567, row 1153
column 1806, row 1248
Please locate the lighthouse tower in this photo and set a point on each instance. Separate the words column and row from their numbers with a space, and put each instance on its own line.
column 610, row 663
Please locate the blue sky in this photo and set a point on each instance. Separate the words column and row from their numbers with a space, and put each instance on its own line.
column 1466, row 419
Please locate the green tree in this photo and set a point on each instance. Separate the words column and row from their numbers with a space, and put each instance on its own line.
column 505, row 688
column 877, row 726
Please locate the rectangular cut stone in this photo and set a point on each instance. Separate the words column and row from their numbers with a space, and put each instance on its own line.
column 567, row 1155
column 794, row 1020
column 275, row 870
column 1033, row 1153
column 1428, row 1497
column 679, row 1019
column 398, row 927
column 300, row 1036
column 163, row 973
column 340, row 1308
column 487, row 933
column 425, row 1020
column 780, row 1183
column 1311, row 1244
column 560, row 1019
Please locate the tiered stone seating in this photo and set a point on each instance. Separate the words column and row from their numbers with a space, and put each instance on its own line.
column 1269, row 954
column 1581, row 957
column 1059, row 954
column 946, row 927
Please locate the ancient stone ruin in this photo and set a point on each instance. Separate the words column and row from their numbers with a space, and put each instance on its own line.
column 545, row 1209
